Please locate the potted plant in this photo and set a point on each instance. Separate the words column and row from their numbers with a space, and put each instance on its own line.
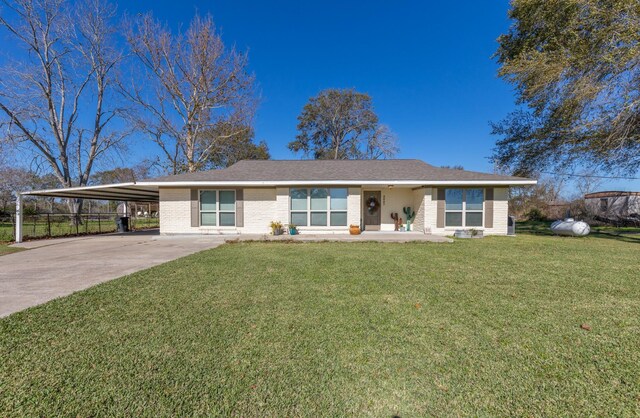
column 276, row 227
column 354, row 229
column 293, row 229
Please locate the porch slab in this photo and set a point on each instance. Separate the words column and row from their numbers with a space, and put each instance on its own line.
column 365, row 236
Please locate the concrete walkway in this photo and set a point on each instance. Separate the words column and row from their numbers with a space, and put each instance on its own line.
column 59, row 267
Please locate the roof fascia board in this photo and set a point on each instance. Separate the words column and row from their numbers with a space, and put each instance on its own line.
column 82, row 188
column 342, row 183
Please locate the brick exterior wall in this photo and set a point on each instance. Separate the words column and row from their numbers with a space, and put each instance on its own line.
column 175, row 212
column 419, row 208
column 500, row 213
column 259, row 209
column 354, row 211
column 263, row 205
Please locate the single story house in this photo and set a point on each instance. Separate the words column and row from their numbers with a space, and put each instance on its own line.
column 319, row 196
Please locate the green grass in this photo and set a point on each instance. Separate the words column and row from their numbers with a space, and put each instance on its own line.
column 478, row 327
column 59, row 227
column 5, row 249
column 626, row 234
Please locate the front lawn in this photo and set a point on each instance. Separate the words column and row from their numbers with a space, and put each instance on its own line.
column 477, row 327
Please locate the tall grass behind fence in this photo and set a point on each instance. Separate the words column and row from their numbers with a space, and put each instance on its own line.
column 61, row 224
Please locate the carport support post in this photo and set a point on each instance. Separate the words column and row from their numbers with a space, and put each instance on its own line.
column 19, row 218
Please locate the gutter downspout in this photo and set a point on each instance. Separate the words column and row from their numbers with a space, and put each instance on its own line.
column 19, row 218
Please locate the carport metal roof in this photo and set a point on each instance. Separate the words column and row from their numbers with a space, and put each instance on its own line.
column 121, row 191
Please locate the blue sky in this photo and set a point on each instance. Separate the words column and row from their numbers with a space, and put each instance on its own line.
column 426, row 64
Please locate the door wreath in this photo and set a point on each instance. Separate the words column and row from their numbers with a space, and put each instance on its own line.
column 372, row 205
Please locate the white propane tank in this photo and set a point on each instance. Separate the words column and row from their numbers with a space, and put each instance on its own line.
column 570, row 227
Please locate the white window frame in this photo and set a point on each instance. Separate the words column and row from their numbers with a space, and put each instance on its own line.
column 217, row 211
column 464, row 210
column 328, row 211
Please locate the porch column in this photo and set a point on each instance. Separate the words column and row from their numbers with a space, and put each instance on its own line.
column 19, row 218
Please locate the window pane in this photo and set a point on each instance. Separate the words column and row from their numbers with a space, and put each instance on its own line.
column 475, row 197
column 319, row 199
column 298, row 199
column 473, row 219
column 208, row 200
column 338, row 218
column 208, row 219
column 338, row 199
column 453, row 219
column 227, row 200
column 318, row 218
column 453, row 199
column 299, row 218
column 227, row 218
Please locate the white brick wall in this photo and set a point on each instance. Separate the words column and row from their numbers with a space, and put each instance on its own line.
column 430, row 209
column 175, row 215
column 354, row 213
column 259, row 210
column 282, row 205
column 175, row 212
column 419, row 208
column 263, row 205
column 500, row 213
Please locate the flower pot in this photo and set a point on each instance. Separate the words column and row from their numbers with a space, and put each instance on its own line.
column 293, row 231
column 277, row 231
column 468, row 233
column 354, row 230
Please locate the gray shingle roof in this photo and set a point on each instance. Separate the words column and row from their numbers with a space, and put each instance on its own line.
column 335, row 170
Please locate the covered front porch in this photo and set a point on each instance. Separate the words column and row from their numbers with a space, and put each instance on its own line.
column 391, row 208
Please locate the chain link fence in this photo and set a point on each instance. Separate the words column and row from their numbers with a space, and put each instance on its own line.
column 50, row 225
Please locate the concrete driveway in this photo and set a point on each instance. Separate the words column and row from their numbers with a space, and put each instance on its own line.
column 59, row 267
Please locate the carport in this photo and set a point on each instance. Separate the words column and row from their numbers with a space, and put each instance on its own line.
column 123, row 192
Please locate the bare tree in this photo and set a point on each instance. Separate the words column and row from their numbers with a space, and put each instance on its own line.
column 13, row 180
column 192, row 84
column 56, row 95
column 382, row 144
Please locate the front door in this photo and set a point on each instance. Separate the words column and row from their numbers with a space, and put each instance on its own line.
column 372, row 210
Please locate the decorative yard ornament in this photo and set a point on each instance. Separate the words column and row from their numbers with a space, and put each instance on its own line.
column 372, row 205
column 410, row 216
column 396, row 221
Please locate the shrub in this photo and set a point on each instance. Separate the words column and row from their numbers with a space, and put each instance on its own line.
column 29, row 211
column 535, row 214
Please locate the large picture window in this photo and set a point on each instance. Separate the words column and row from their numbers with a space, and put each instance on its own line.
column 217, row 208
column 464, row 207
column 318, row 207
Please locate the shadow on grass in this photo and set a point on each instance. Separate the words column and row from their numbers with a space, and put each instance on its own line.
column 618, row 234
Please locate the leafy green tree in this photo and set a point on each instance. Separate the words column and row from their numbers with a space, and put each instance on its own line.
column 341, row 124
column 122, row 174
column 575, row 65
column 227, row 144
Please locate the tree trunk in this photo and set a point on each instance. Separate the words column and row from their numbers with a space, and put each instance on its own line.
column 75, row 209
